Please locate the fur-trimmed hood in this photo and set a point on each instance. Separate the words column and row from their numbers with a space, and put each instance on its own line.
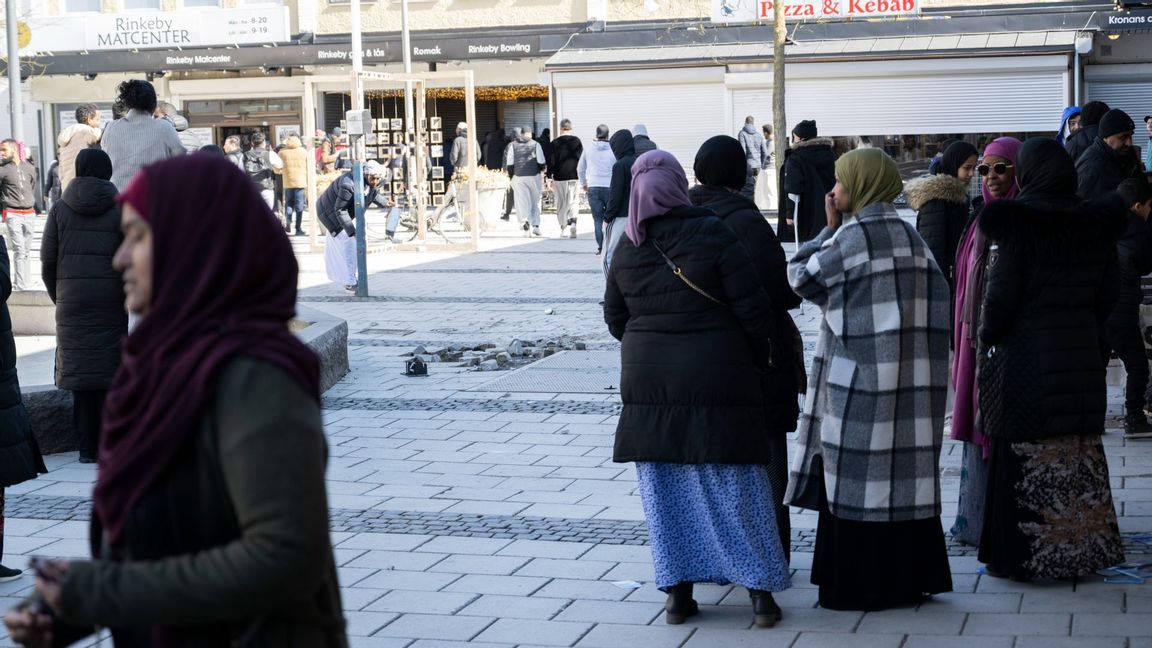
column 935, row 187
column 815, row 141
column 1016, row 223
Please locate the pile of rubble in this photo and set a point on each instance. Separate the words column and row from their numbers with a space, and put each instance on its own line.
column 491, row 357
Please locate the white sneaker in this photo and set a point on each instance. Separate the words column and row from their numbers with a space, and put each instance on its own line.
column 572, row 230
column 536, row 230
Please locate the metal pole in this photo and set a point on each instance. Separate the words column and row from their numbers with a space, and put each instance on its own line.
column 356, row 142
column 15, row 93
column 1077, row 83
column 779, row 121
column 414, row 174
column 470, row 118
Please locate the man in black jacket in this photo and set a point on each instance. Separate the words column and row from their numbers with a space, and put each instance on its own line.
column 1110, row 160
column 335, row 209
column 1090, row 118
column 624, row 147
column 809, row 174
column 1122, row 330
column 566, row 152
column 18, row 190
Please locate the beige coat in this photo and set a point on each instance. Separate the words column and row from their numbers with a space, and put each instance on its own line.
column 296, row 161
column 71, row 141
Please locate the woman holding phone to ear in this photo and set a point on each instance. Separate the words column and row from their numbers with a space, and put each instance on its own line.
column 210, row 512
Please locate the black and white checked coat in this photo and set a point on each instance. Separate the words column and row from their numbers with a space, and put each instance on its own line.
column 874, row 411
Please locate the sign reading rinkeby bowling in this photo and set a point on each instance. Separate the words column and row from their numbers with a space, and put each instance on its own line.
column 743, row 11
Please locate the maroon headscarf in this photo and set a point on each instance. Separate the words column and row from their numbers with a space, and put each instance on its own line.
column 223, row 285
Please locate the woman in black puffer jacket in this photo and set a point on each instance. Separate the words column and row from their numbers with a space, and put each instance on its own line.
column 1052, row 280
column 80, row 239
column 942, row 206
column 697, row 333
column 720, row 170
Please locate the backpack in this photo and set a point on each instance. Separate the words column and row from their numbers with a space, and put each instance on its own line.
column 256, row 164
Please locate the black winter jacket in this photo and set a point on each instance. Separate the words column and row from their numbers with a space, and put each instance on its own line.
column 1081, row 141
column 80, row 239
column 1051, row 283
column 810, row 172
column 941, row 204
column 334, row 208
column 19, row 186
column 566, row 152
column 1134, row 255
column 20, row 458
column 620, row 188
column 745, row 220
column 1101, row 170
column 691, row 369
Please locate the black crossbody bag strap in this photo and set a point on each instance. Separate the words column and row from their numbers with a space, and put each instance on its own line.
column 680, row 273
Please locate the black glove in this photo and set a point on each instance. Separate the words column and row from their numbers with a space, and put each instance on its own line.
column 350, row 230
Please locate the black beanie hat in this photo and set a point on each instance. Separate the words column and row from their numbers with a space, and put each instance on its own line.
column 1092, row 112
column 1115, row 122
column 721, row 162
column 805, row 130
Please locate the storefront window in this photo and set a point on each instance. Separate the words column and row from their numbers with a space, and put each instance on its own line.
column 284, row 105
column 82, row 5
column 913, row 153
column 141, row 4
column 202, row 106
column 201, row 3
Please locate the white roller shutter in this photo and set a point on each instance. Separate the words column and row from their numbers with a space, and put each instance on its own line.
column 518, row 114
column 756, row 102
column 910, row 97
column 1133, row 97
column 679, row 115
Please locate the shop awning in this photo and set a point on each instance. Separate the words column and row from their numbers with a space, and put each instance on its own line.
column 892, row 47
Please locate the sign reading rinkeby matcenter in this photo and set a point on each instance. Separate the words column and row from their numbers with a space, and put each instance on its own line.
column 742, row 11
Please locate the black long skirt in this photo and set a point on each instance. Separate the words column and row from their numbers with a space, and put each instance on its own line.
column 872, row 566
column 1049, row 511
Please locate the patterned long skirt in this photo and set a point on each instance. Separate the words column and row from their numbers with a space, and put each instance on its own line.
column 712, row 523
column 1049, row 511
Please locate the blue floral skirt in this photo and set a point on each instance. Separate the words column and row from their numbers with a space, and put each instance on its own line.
column 712, row 523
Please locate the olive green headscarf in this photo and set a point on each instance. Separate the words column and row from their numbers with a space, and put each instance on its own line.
column 870, row 176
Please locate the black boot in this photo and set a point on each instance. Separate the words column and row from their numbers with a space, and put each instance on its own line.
column 765, row 612
column 1136, row 426
column 680, row 604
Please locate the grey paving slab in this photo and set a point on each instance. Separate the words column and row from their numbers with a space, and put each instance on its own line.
column 1041, row 624
column 435, row 626
column 611, row 612
column 845, row 640
column 367, row 623
column 515, row 607
column 607, row 635
column 561, row 568
column 1073, row 601
column 912, row 621
column 544, row 633
column 408, row 580
column 938, row 641
column 508, row 585
column 417, row 602
column 1110, row 625
column 474, row 564
column 1071, row 642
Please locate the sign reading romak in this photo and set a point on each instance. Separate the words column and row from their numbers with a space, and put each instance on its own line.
column 742, row 11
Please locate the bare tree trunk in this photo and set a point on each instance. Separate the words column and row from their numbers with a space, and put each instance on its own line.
column 779, row 122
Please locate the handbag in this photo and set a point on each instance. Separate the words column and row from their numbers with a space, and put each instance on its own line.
column 680, row 273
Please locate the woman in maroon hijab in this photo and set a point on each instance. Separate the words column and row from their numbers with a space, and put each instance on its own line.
column 210, row 515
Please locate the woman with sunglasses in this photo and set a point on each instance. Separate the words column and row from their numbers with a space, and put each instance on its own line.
column 941, row 203
column 998, row 174
column 1052, row 280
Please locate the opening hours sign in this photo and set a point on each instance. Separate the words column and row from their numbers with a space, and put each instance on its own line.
column 744, row 11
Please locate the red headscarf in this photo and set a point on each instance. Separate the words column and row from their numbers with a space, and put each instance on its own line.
column 223, row 285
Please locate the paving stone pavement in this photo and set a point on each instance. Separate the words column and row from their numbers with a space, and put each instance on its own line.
column 463, row 516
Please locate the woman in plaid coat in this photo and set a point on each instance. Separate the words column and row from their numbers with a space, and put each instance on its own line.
column 868, row 451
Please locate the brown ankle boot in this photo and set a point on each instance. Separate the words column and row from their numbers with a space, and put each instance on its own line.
column 680, row 604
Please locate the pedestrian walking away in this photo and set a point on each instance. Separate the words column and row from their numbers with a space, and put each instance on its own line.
column 809, row 174
column 695, row 325
column 80, row 238
column 641, row 140
column 868, row 449
column 464, row 150
column 526, row 164
column 1052, row 282
column 767, row 183
column 1122, row 331
column 138, row 139
column 562, row 168
column 998, row 171
column 336, row 212
column 20, row 458
column 942, row 205
column 624, row 148
column 295, row 160
column 1110, row 160
column 262, row 164
column 233, row 409
column 753, row 144
column 720, row 168
column 1088, row 131
column 595, row 175
column 18, row 189
column 84, row 134
column 1148, row 146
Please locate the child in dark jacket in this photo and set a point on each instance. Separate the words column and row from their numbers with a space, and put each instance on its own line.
column 1122, row 331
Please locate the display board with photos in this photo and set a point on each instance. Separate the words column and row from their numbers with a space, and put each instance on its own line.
column 388, row 141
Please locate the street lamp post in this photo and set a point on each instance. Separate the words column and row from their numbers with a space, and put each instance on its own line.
column 15, row 94
column 356, row 143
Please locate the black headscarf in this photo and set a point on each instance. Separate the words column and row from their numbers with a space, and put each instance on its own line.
column 1045, row 173
column 720, row 162
column 955, row 156
column 93, row 163
column 622, row 143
